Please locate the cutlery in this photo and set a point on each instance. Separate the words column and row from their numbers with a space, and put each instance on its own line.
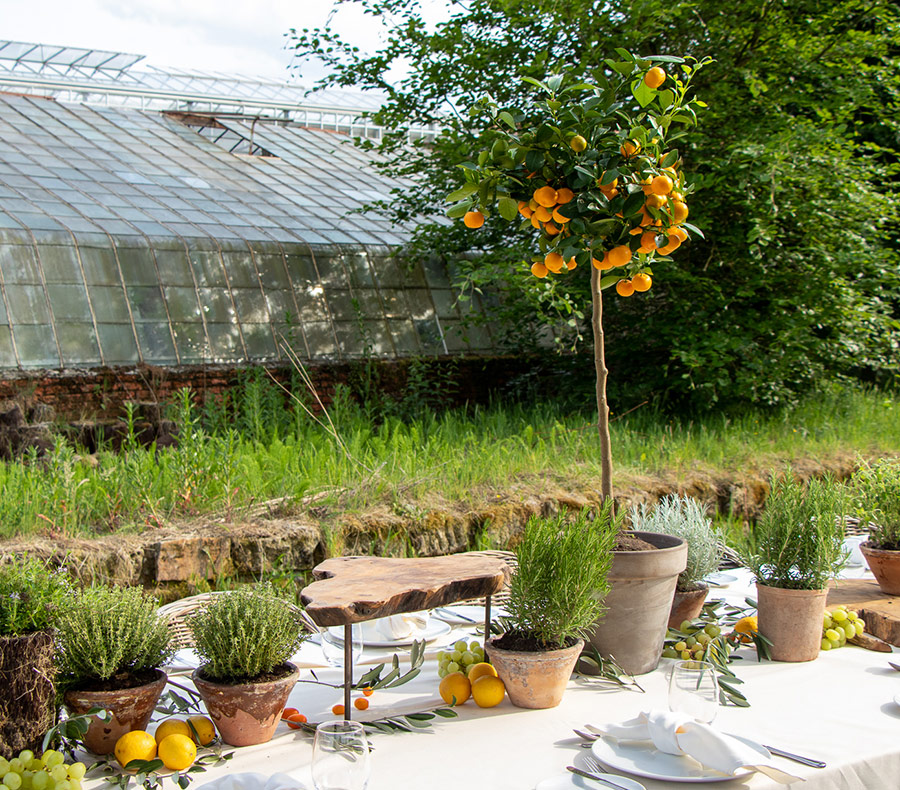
column 795, row 757
column 895, row 666
column 589, row 775
column 454, row 613
column 586, row 735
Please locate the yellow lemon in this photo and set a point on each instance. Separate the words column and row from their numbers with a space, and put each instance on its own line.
column 488, row 691
column 747, row 627
column 205, row 730
column 135, row 745
column 170, row 727
column 455, row 688
column 479, row 670
column 177, row 752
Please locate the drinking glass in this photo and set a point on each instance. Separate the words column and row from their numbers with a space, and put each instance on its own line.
column 694, row 690
column 333, row 644
column 340, row 756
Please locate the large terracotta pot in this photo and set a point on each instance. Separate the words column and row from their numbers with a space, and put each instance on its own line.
column 641, row 589
column 686, row 605
column 247, row 713
column 885, row 565
column 131, row 710
column 27, row 695
column 534, row 680
column 792, row 621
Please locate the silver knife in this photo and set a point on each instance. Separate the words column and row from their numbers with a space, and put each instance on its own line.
column 589, row 775
column 795, row 757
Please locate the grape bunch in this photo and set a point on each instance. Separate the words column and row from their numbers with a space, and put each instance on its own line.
column 693, row 642
column 48, row 772
column 840, row 625
column 462, row 655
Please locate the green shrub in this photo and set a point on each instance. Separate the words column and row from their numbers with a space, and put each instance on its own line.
column 245, row 633
column 30, row 596
column 876, row 494
column 556, row 594
column 107, row 631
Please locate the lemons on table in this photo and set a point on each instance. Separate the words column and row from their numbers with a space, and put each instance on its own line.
column 205, row 730
column 171, row 727
column 455, row 688
column 135, row 745
column 479, row 670
column 177, row 752
column 488, row 691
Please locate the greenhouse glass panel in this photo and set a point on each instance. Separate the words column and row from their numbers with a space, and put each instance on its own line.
column 69, row 303
column 226, row 342
column 7, row 356
column 251, row 305
column 429, row 336
column 110, row 305
column 216, row 305
column 36, row 345
column 4, row 318
column 174, row 267
column 191, row 341
column 406, row 341
column 358, row 268
column 444, row 303
column 100, row 267
column 350, row 339
column 78, row 343
column 281, row 306
column 331, row 271
column 18, row 265
column 436, row 273
column 156, row 343
column 271, row 271
column 207, row 268
column 302, row 271
column 138, row 266
column 311, row 306
column 147, row 304
column 342, row 306
column 395, row 304
column 454, row 336
column 369, row 304
column 27, row 304
column 60, row 264
column 420, row 305
column 479, row 337
column 118, row 344
column 259, row 341
column 241, row 270
column 320, row 338
column 182, row 304
column 377, row 338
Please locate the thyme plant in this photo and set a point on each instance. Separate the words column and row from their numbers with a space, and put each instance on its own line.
column 683, row 517
column 800, row 535
column 557, row 592
column 31, row 596
column 876, row 493
column 245, row 633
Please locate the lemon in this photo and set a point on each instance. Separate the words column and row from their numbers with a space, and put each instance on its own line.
column 455, row 688
column 488, row 691
column 206, row 730
column 479, row 670
column 135, row 745
column 177, row 752
column 747, row 627
column 170, row 727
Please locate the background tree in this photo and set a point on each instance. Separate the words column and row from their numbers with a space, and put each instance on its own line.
column 796, row 169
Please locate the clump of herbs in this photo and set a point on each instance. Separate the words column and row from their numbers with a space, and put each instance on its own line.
column 110, row 632
column 245, row 633
column 557, row 592
column 31, row 596
column 800, row 534
column 876, row 497
column 683, row 517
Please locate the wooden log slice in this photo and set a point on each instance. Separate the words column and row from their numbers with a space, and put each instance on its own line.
column 355, row 589
column 879, row 611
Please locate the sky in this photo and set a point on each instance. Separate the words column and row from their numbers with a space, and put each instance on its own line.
column 235, row 36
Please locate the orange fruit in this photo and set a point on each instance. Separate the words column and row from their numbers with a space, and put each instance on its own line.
column 170, row 727
column 361, row 704
column 560, row 218
column 338, row 710
column 177, row 752
column 488, row 691
column 624, row 288
column 550, row 229
column 655, row 77
column 204, row 732
column 546, row 196
column 578, row 143
column 679, row 233
column 642, row 282
column 543, row 214
column 455, row 688
column 571, row 264
column 602, row 264
column 538, row 269
column 619, row 256
column 295, row 720
column 605, row 187
column 368, row 691
column 564, row 195
column 533, row 204
column 656, row 201
column 479, row 670
column 288, row 712
column 645, row 250
column 679, row 212
column 630, row 148
column 473, row 219
column 535, row 222
column 648, row 240
column 525, row 211
column 554, row 262
column 661, row 185
column 135, row 745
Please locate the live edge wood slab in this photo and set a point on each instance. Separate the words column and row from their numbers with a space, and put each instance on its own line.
column 354, row 589
column 881, row 612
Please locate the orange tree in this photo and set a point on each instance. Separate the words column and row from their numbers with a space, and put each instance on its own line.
column 592, row 171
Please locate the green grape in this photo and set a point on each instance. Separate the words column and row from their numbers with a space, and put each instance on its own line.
column 456, row 656
column 441, row 655
column 680, row 646
column 452, row 667
column 468, row 657
column 686, row 654
column 849, row 629
column 475, row 646
column 26, row 780
column 4, row 767
column 65, row 784
column 833, row 635
column 852, row 617
column 13, row 781
column 58, row 773
column 52, row 757
column 16, row 766
column 712, row 630
column 35, row 764
column 75, row 784
column 690, row 642
column 839, row 615
column 704, row 638
column 826, row 644
column 827, row 622
column 669, row 652
column 26, row 756
column 835, row 643
column 842, row 632
column 461, row 645
column 40, row 780
column 860, row 627
column 685, row 626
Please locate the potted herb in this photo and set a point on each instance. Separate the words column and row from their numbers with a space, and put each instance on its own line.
column 554, row 599
column 111, row 645
column 30, row 598
column 798, row 551
column 684, row 517
column 244, row 639
column 876, row 493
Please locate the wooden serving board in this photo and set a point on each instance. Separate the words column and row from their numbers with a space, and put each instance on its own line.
column 880, row 612
column 355, row 589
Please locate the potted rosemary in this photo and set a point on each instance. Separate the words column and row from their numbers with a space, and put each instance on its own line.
column 684, row 517
column 554, row 599
column 30, row 598
column 110, row 647
column 244, row 639
column 876, row 493
column 798, row 551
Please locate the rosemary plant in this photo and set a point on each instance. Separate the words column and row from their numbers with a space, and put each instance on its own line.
column 876, row 493
column 31, row 596
column 685, row 518
column 245, row 633
column 799, row 537
column 556, row 594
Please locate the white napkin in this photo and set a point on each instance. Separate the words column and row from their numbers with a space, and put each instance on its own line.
column 676, row 733
column 400, row 626
column 254, row 781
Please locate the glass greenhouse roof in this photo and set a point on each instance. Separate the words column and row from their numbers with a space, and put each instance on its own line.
column 129, row 236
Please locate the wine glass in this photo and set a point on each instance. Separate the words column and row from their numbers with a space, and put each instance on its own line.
column 333, row 644
column 694, row 690
column 340, row 756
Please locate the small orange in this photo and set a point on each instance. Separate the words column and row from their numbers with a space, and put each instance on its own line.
column 295, row 720
column 642, row 282
column 539, row 270
column 648, row 240
column 554, row 262
column 619, row 256
column 368, row 691
column 550, row 229
column 525, row 211
column 361, row 704
column 338, row 710
column 546, row 196
column 624, row 288
column 630, row 148
column 473, row 219
column 679, row 233
column 571, row 264
column 679, row 212
column 288, row 712
column 562, row 219
column 656, row 201
column 543, row 214
column 655, row 77
column 747, row 627
column 661, row 185
column 578, row 143
column 535, row 222
column 564, row 195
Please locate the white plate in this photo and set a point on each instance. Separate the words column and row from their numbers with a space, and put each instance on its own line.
column 641, row 758
column 465, row 614
column 897, row 699
column 720, row 579
column 568, row 780
column 432, row 631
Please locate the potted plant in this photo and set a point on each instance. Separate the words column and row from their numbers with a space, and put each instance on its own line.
column 798, row 551
column 30, row 598
column 876, row 493
column 110, row 647
column 244, row 639
column 684, row 517
column 555, row 597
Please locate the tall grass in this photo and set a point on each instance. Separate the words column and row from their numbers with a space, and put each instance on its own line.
column 251, row 449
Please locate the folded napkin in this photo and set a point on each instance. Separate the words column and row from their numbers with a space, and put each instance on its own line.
column 254, row 781
column 676, row 733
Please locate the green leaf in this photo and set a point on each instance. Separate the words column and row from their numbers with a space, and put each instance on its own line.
column 537, row 84
column 581, row 86
column 622, row 68
column 633, row 203
column 457, row 211
column 693, row 229
column 446, row 713
column 507, row 119
column 554, row 82
column 509, row 208
column 464, row 191
column 664, row 59
column 670, row 158
column 642, row 93
column 610, row 279
column 624, row 54
column 609, row 176
column 534, row 161
column 666, row 98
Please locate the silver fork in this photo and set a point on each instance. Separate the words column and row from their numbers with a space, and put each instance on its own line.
column 595, row 768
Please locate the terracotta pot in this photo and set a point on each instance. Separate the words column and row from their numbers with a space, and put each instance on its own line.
column 687, row 605
column 534, row 680
column 885, row 565
column 131, row 710
column 247, row 713
column 792, row 621
column 641, row 589
column 27, row 695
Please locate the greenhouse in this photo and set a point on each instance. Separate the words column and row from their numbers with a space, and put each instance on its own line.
column 173, row 218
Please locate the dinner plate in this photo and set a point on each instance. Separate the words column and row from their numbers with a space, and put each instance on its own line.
column 720, row 579
column 642, row 759
column 897, row 699
column 433, row 630
column 466, row 614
